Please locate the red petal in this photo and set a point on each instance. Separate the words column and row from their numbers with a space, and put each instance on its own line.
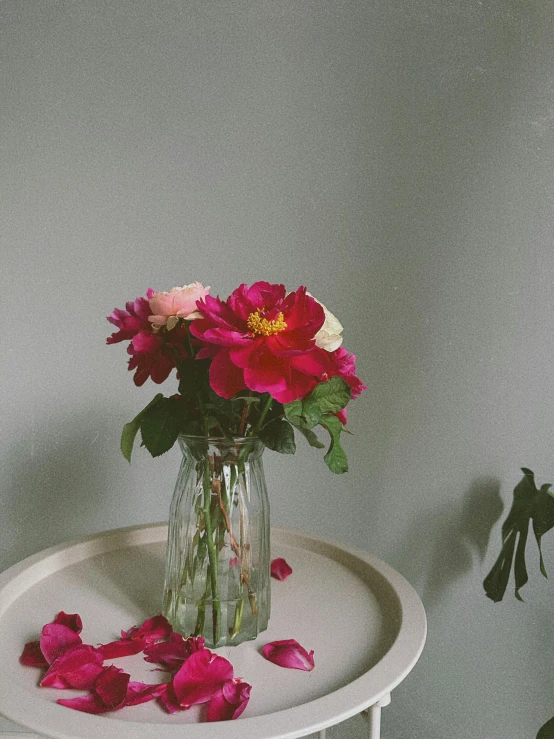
column 157, row 627
column 111, row 687
column 200, row 677
column 55, row 639
column 229, row 702
column 76, row 668
column 71, row 620
column 289, row 653
column 89, row 703
column 280, row 569
column 141, row 693
column 226, row 379
column 32, row 655
column 121, row 648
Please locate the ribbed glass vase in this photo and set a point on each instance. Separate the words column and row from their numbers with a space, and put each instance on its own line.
column 217, row 580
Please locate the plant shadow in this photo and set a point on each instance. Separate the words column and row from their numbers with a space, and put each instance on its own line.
column 457, row 532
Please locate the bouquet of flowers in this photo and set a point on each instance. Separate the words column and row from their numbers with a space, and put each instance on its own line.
column 251, row 370
column 261, row 363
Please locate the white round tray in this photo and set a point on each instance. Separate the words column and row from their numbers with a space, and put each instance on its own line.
column 364, row 622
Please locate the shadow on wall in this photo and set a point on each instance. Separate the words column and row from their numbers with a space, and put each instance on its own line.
column 440, row 546
column 55, row 479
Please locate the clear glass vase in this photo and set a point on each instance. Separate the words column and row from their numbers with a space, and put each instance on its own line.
column 217, row 579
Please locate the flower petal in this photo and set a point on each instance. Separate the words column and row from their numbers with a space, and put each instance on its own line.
column 226, row 379
column 157, row 627
column 200, row 677
column 229, row 701
column 32, row 655
column 72, row 620
column 111, row 687
column 55, row 639
column 172, row 653
column 280, row 569
column 289, row 653
column 78, row 667
column 121, row 648
column 89, row 703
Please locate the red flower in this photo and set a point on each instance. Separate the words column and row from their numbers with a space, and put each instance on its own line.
column 152, row 353
column 267, row 341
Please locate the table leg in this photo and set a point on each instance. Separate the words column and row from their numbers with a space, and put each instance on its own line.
column 373, row 714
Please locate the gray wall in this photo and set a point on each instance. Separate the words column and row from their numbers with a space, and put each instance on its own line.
column 395, row 156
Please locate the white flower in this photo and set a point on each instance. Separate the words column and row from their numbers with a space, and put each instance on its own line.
column 329, row 335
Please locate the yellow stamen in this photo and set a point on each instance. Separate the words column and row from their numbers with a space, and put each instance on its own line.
column 263, row 327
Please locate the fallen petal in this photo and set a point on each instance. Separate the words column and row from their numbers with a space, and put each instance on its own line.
column 172, row 653
column 55, row 639
column 141, row 693
column 77, row 668
column 289, row 653
column 200, row 677
column 280, row 569
column 72, row 620
column 121, row 648
column 167, row 699
column 229, row 701
column 32, row 655
column 157, row 627
column 111, row 687
column 89, row 703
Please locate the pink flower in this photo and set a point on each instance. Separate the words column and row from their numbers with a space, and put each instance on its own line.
column 200, row 677
column 229, row 701
column 132, row 320
column 78, row 667
column 180, row 302
column 152, row 355
column 266, row 340
column 280, row 569
column 172, row 653
column 289, row 653
column 137, row 638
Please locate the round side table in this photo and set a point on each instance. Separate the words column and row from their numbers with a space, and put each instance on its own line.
column 364, row 622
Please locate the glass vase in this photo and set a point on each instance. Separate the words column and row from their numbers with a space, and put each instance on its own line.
column 217, row 576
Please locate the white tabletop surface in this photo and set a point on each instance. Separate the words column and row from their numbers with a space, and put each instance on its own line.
column 364, row 622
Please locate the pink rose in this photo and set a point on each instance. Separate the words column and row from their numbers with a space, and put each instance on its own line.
column 180, row 302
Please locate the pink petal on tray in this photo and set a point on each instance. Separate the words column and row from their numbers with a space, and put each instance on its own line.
column 77, row 668
column 157, row 627
column 172, row 653
column 200, row 677
column 141, row 692
column 32, row 655
column 108, row 694
column 121, row 648
column 280, row 569
column 229, row 701
column 289, row 653
column 72, row 620
column 55, row 639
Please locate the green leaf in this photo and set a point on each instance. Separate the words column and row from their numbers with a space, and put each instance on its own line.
column 335, row 457
column 278, row 435
column 310, row 436
column 529, row 504
column 130, row 429
column 327, row 397
column 160, row 426
column 193, row 377
column 293, row 412
column 547, row 730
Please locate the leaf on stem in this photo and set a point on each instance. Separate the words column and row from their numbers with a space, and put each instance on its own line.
column 160, row 426
column 278, row 435
column 130, row 429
